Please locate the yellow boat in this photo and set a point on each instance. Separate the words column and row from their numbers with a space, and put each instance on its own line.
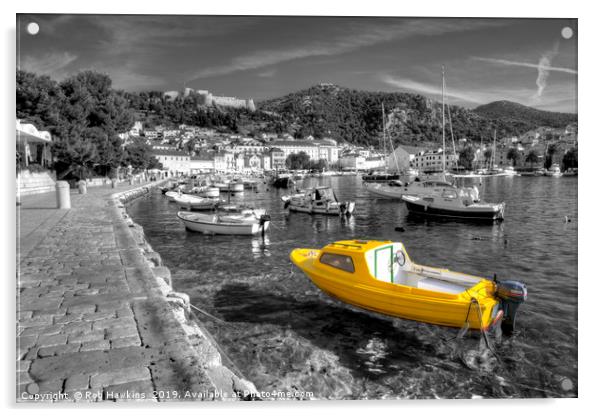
column 380, row 276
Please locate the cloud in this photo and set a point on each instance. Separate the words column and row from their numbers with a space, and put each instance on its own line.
column 544, row 67
column 547, row 67
column 429, row 89
column 267, row 74
column 349, row 38
column 543, row 71
column 53, row 64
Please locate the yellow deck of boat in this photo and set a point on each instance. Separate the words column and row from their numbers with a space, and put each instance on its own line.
column 361, row 288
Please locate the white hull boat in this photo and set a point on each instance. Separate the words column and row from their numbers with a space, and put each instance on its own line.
column 192, row 202
column 231, row 224
column 454, row 204
column 319, row 200
column 171, row 195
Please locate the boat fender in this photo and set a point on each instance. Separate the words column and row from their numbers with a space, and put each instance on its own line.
column 511, row 295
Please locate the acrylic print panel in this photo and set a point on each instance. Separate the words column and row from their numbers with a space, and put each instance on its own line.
column 202, row 201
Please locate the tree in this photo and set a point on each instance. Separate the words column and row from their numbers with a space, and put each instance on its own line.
column 138, row 155
column 466, row 157
column 83, row 113
column 299, row 160
column 551, row 151
column 569, row 160
column 319, row 165
column 513, row 155
column 488, row 154
column 532, row 158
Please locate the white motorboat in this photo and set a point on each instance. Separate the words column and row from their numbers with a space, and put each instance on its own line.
column 246, row 223
column 454, row 203
column 554, row 171
column 510, row 172
column 171, row 195
column 209, row 192
column 192, row 202
column 236, row 187
column 319, row 200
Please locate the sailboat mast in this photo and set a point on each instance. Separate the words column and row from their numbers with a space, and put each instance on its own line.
column 443, row 112
column 494, row 137
column 382, row 105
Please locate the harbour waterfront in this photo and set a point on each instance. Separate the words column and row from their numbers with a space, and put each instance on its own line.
column 284, row 334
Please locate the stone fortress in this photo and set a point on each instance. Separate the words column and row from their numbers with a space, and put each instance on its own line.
column 209, row 99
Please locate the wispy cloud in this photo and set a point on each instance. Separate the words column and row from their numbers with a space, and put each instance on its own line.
column 53, row 64
column 355, row 36
column 526, row 64
column 267, row 74
column 433, row 90
column 543, row 67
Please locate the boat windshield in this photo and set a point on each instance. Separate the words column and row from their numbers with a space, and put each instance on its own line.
column 436, row 184
column 335, row 260
column 323, row 194
column 449, row 194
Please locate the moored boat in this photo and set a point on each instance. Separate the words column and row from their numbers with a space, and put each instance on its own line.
column 171, row 195
column 380, row 276
column 249, row 223
column 192, row 202
column 395, row 189
column 454, row 204
column 318, row 200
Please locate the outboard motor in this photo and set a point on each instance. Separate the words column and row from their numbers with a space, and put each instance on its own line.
column 511, row 295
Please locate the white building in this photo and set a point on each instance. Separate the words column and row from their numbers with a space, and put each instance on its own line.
column 202, row 163
column 177, row 162
column 326, row 149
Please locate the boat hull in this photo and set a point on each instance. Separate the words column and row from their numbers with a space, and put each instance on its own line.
column 402, row 302
column 216, row 228
column 435, row 211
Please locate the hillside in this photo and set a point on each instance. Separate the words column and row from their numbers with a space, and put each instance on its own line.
column 509, row 110
column 352, row 116
column 355, row 116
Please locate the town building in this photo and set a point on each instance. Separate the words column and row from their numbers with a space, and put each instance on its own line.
column 204, row 162
column 277, row 159
column 33, row 145
column 326, row 149
column 177, row 162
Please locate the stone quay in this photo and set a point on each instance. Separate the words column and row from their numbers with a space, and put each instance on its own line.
column 97, row 319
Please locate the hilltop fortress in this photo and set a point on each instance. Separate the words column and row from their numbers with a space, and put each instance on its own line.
column 208, row 99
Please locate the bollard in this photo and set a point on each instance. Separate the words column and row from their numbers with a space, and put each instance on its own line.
column 82, row 187
column 63, row 196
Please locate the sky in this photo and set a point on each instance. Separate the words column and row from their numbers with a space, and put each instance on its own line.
column 529, row 61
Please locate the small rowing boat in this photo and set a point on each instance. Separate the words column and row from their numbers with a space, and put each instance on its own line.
column 244, row 223
column 380, row 276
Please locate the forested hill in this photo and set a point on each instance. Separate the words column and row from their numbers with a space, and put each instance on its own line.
column 514, row 111
column 356, row 116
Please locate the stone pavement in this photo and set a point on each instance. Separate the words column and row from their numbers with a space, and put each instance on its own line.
column 93, row 322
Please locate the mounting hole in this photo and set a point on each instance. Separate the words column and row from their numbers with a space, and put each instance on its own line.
column 566, row 32
column 33, row 28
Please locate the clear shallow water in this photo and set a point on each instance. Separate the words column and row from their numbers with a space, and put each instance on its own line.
column 284, row 334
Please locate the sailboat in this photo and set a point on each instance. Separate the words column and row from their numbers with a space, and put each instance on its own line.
column 455, row 202
column 395, row 188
